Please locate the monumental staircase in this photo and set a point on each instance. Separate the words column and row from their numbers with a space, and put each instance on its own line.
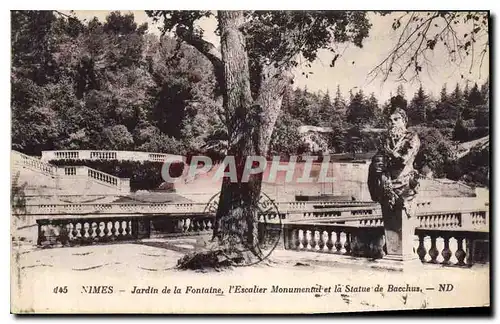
column 39, row 177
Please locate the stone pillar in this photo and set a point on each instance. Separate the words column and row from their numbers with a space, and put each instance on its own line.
column 399, row 234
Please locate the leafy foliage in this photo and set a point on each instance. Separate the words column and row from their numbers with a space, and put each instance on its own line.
column 92, row 85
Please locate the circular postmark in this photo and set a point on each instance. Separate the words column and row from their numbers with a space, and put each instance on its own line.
column 266, row 224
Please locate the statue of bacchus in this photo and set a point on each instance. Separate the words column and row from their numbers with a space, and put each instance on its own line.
column 393, row 182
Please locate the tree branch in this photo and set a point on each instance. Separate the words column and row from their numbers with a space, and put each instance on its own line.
column 204, row 47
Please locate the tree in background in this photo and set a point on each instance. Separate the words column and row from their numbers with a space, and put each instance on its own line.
column 339, row 104
column 286, row 139
column 359, row 111
column 326, row 111
column 419, row 107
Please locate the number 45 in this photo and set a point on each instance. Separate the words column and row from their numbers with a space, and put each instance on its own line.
column 60, row 290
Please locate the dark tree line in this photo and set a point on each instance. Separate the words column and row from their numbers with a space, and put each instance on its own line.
column 455, row 116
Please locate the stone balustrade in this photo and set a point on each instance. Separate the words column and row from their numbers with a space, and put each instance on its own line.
column 446, row 246
column 107, row 155
column 476, row 219
column 148, row 208
column 439, row 238
column 103, row 177
column 465, row 219
column 83, row 171
column 334, row 238
column 359, row 216
column 443, row 246
column 183, row 225
column 344, row 213
column 98, row 229
column 34, row 164
column 308, row 205
column 460, row 219
column 89, row 230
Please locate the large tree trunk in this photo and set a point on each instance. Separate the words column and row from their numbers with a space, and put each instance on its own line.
column 236, row 221
column 250, row 129
column 250, row 126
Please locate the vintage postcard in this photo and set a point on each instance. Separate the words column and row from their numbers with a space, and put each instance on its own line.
column 249, row 162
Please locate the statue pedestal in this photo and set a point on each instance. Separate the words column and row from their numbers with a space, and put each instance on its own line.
column 399, row 233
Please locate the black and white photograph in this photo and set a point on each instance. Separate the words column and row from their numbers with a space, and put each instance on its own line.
column 249, row 161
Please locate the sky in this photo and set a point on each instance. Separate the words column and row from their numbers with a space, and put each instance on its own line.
column 355, row 76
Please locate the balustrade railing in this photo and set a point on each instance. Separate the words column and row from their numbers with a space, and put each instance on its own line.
column 183, row 225
column 103, row 177
column 70, row 170
column 439, row 246
column 95, row 175
column 34, row 163
column 334, row 238
column 107, row 155
column 103, row 155
column 81, row 231
column 452, row 247
column 98, row 229
column 157, row 157
column 67, row 155
column 335, row 213
column 461, row 219
column 359, row 216
column 445, row 245
column 147, row 208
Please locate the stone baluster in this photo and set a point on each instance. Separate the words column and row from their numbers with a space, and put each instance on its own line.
column 290, row 239
column 321, row 242
column 421, row 251
column 446, row 253
column 113, row 230
column 469, row 249
column 338, row 244
column 329, row 242
column 120, row 228
column 194, row 225
column 91, row 230
column 82, row 231
column 313, row 240
column 347, row 244
column 460, row 253
column 75, row 231
column 297, row 240
column 433, row 252
column 304, row 239
column 106, row 231
column 98, row 230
